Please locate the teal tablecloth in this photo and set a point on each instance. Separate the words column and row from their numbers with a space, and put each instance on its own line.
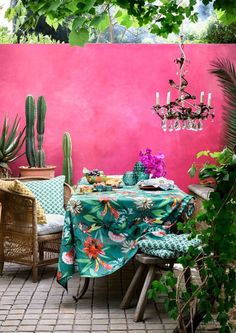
column 101, row 229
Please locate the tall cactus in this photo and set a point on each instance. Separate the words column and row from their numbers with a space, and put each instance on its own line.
column 35, row 159
column 41, row 113
column 30, row 137
column 67, row 162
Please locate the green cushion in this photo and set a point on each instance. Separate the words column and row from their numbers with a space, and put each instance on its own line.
column 50, row 194
column 168, row 246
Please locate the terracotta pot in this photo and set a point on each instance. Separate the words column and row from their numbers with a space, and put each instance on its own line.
column 47, row 172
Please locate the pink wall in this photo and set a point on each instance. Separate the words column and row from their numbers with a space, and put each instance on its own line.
column 103, row 94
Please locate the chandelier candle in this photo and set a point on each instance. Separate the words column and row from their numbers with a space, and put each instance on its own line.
column 183, row 112
column 202, row 97
column 209, row 99
column 168, row 98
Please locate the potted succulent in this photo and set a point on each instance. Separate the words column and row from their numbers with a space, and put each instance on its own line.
column 11, row 142
column 36, row 159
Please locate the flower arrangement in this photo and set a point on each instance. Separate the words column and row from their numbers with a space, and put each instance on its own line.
column 154, row 164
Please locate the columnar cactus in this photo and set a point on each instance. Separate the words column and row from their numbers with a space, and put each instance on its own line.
column 35, row 159
column 67, row 162
column 41, row 113
column 30, row 112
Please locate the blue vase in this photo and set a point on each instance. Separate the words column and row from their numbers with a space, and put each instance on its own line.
column 143, row 176
column 130, row 178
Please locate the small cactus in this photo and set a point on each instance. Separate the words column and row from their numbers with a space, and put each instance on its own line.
column 67, row 162
column 35, row 159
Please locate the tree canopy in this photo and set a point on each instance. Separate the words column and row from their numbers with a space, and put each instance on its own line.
column 83, row 16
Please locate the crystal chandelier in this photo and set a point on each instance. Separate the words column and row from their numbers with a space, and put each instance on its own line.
column 183, row 112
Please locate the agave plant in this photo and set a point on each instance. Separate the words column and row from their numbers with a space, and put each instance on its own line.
column 11, row 141
column 226, row 75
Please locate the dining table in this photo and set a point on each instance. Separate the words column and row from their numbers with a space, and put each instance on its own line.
column 102, row 229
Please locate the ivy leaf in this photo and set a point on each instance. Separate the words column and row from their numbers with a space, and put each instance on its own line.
column 119, row 13
column 126, row 21
column 77, row 24
column 54, row 5
column 203, row 153
column 103, row 22
column 79, row 37
column 192, row 170
column 10, row 14
column 52, row 22
column 89, row 4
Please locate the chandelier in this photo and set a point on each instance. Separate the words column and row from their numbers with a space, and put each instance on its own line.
column 183, row 112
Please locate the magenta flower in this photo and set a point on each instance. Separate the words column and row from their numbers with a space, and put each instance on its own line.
column 154, row 164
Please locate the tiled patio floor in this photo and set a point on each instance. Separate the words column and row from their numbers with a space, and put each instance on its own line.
column 46, row 306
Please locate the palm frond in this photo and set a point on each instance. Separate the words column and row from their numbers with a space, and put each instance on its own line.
column 226, row 75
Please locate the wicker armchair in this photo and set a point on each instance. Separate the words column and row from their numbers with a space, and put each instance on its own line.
column 19, row 239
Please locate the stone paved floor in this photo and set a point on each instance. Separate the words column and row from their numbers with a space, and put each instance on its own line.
column 46, row 306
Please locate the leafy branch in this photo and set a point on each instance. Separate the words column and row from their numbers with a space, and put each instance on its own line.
column 215, row 262
column 161, row 18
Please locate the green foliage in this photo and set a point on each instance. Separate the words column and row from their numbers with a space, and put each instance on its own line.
column 35, row 159
column 6, row 37
column 11, row 141
column 217, row 259
column 226, row 75
column 161, row 19
column 219, row 33
column 67, row 161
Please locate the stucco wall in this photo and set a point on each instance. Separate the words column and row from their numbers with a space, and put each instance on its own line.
column 103, row 94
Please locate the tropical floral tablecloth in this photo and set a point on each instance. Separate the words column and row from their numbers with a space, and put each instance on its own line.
column 101, row 229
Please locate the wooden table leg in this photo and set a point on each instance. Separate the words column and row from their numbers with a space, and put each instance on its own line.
column 82, row 291
column 140, row 308
column 132, row 287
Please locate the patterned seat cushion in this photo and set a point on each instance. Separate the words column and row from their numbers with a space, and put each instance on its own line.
column 50, row 194
column 19, row 187
column 54, row 224
column 169, row 246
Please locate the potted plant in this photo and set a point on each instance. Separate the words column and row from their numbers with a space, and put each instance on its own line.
column 11, row 141
column 36, row 159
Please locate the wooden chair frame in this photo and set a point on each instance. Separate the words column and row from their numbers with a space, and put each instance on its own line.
column 19, row 239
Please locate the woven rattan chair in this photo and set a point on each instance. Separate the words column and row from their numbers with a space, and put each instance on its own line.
column 19, row 239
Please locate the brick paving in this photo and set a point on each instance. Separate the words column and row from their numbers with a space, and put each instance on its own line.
column 46, row 307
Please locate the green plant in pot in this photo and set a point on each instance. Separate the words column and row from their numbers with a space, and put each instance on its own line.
column 11, row 142
column 35, row 157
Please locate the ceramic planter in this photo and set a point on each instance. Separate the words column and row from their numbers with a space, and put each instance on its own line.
column 47, row 172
